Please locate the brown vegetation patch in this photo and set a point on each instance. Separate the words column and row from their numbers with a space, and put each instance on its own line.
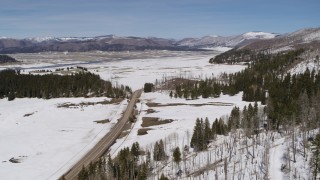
column 123, row 134
column 149, row 111
column 173, row 83
column 28, row 114
column 73, row 105
column 127, row 126
column 102, row 121
column 183, row 104
column 153, row 121
column 143, row 131
column 14, row 160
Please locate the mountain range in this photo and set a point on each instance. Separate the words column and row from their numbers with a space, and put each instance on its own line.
column 251, row 40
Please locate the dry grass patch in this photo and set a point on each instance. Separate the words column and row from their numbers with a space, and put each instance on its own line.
column 102, row 121
column 149, row 111
column 184, row 104
column 123, row 134
column 173, row 83
column 143, row 131
column 153, row 121
column 28, row 114
column 85, row 104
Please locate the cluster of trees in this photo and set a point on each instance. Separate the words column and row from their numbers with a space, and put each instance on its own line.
column 125, row 165
column 315, row 160
column 148, row 87
column 13, row 84
column 264, row 80
column 71, row 68
column 247, row 119
column 192, row 90
column 159, row 153
column 203, row 133
column 95, row 170
column 254, row 81
column 5, row 58
column 234, row 56
column 128, row 165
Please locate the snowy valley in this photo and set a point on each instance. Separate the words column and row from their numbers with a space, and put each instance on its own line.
column 271, row 135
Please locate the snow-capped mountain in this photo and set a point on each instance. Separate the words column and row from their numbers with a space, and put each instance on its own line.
column 228, row 41
column 304, row 38
column 103, row 43
column 305, row 35
column 251, row 40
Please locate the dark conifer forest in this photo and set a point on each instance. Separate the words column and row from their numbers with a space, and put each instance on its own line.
column 264, row 80
column 14, row 84
column 6, row 59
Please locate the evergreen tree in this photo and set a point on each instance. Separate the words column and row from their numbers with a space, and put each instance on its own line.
column 135, row 150
column 159, row 151
column 197, row 140
column 83, row 174
column 207, row 131
column 177, row 155
column 163, row 177
column 315, row 161
column 148, row 87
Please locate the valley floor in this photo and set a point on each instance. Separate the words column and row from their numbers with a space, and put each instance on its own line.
column 42, row 139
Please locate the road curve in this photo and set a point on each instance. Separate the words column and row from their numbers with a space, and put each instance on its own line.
column 106, row 142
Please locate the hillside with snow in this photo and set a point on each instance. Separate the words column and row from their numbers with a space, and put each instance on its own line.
column 304, row 38
column 227, row 41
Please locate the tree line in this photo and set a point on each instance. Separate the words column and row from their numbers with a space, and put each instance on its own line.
column 6, row 59
column 264, row 80
column 128, row 164
column 247, row 119
column 14, row 84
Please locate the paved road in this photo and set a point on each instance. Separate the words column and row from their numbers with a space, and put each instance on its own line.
column 106, row 142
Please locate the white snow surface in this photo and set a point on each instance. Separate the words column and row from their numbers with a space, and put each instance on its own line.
column 276, row 155
column 136, row 73
column 48, row 140
column 218, row 48
column 304, row 65
column 306, row 35
column 224, row 41
column 51, row 139
column 184, row 117
column 259, row 35
column 258, row 157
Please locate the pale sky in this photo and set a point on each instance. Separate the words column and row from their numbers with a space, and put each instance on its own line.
column 160, row 18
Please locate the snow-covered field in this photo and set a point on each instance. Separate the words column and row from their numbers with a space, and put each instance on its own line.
column 139, row 71
column 131, row 68
column 46, row 139
column 266, row 156
column 184, row 116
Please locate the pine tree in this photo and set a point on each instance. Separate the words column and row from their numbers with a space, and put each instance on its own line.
column 197, row 140
column 315, row 161
column 135, row 150
column 207, row 131
column 156, row 152
column 110, row 166
column 162, row 153
column 163, row 177
column 143, row 172
column 159, row 153
column 177, row 155
column 83, row 174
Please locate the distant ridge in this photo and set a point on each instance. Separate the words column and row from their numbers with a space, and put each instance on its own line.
column 254, row 40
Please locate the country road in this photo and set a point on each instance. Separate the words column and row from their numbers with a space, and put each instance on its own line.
column 106, row 142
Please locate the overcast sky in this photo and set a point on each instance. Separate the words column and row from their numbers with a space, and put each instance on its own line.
column 161, row 18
